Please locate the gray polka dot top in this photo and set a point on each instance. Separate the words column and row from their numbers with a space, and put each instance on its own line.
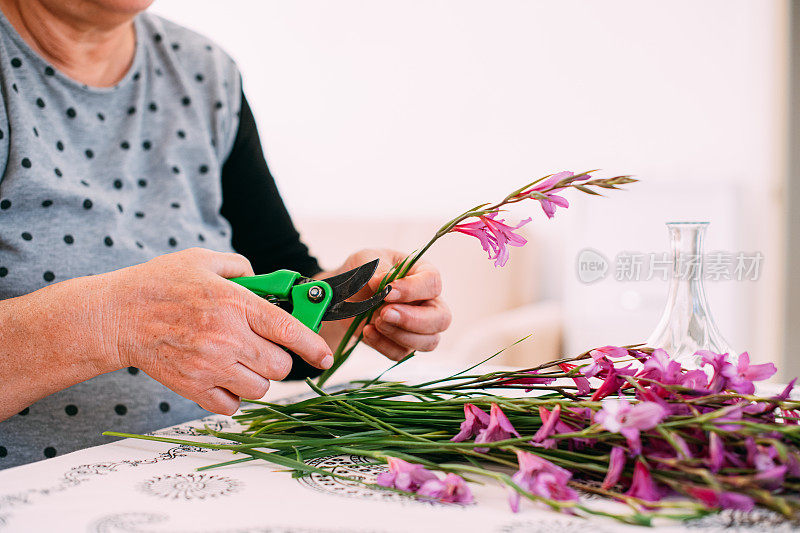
column 95, row 179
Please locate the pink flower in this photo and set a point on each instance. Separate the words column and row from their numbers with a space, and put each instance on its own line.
column 616, row 465
column 475, row 419
column 741, row 377
column 551, row 200
column 549, row 421
column 772, row 478
column 738, row 378
column 618, row 416
column 661, row 368
column 532, row 380
column 581, row 382
column 404, row 475
column 681, row 447
column 542, row 478
column 716, row 452
column 499, row 428
column 642, row 485
column 600, row 360
column 720, row 499
column 410, row 477
column 495, row 236
column 614, row 381
column 453, row 489
column 718, row 362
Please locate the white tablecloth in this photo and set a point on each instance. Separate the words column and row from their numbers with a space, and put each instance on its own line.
column 145, row 487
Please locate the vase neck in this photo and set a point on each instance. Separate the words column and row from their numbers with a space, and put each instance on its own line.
column 686, row 244
column 686, row 325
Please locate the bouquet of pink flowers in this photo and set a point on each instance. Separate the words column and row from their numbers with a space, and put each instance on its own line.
column 625, row 422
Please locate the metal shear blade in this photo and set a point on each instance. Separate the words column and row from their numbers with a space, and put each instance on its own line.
column 346, row 285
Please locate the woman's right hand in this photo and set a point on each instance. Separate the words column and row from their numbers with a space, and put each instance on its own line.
column 181, row 321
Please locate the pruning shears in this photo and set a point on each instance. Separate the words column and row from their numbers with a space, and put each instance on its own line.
column 312, row 301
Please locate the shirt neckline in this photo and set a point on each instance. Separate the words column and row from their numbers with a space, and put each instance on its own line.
column 37, row 58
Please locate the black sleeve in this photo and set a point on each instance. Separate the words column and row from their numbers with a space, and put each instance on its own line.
column 262, row 228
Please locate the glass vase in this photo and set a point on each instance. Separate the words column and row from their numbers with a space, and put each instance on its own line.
column 686, row 324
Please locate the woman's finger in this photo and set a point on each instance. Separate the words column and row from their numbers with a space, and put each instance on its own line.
column 389, row 348
column 276, row 325
column 432, row 316
column 424, row 283
column 413, row 341
column 218, row 400
column 243, row 382
column 267, row 359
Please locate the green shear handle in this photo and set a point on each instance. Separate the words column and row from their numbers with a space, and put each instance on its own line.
column 307, row 299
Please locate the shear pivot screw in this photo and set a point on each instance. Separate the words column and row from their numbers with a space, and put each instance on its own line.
column 316, row 294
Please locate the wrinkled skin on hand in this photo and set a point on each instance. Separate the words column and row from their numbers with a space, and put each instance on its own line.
column 181, row 321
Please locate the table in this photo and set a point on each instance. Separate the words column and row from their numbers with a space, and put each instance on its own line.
column 135, row 486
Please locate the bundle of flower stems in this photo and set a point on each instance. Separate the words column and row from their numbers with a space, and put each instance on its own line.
column 627, row 423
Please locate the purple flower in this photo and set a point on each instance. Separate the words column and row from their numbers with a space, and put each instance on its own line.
column 681, row 446
column 404, row 475
column 494, row 235
column 721, row 499
column 718, row 362
column 738, row 378
column 619, row 416
column 741, row 377
column 475, row 419
column 772, row 478
column 532, row 379
column 616, row 465
column 762, row 458
column 642, row 485
column 453, row 489
column 762, row 407
column 613, row 382
column 415, row 478
column 600, row 360
column 552, row 200
column 549, row 421
column 716, row 452
column 661, row 368
column 581, row 382
column 787, row 391
column 499, row 428
column 542, row 478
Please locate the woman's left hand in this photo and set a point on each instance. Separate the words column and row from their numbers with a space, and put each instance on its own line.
column 414, row 313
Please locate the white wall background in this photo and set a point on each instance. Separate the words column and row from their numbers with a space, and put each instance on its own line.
column 394, row 109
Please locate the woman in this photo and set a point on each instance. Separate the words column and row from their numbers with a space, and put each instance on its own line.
column 124, row 139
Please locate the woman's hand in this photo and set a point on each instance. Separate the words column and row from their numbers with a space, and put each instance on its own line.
column 176, row 317
column 180, row 320
column 414, row 314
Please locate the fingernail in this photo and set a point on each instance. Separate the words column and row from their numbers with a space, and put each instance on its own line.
column 327, row 362
column 393, row 295
column 391, row 316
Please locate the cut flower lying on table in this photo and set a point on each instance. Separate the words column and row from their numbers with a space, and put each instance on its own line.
column 624, row 422
column 658, row 449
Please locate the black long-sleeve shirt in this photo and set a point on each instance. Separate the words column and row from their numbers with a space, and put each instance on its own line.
column 263, row 231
